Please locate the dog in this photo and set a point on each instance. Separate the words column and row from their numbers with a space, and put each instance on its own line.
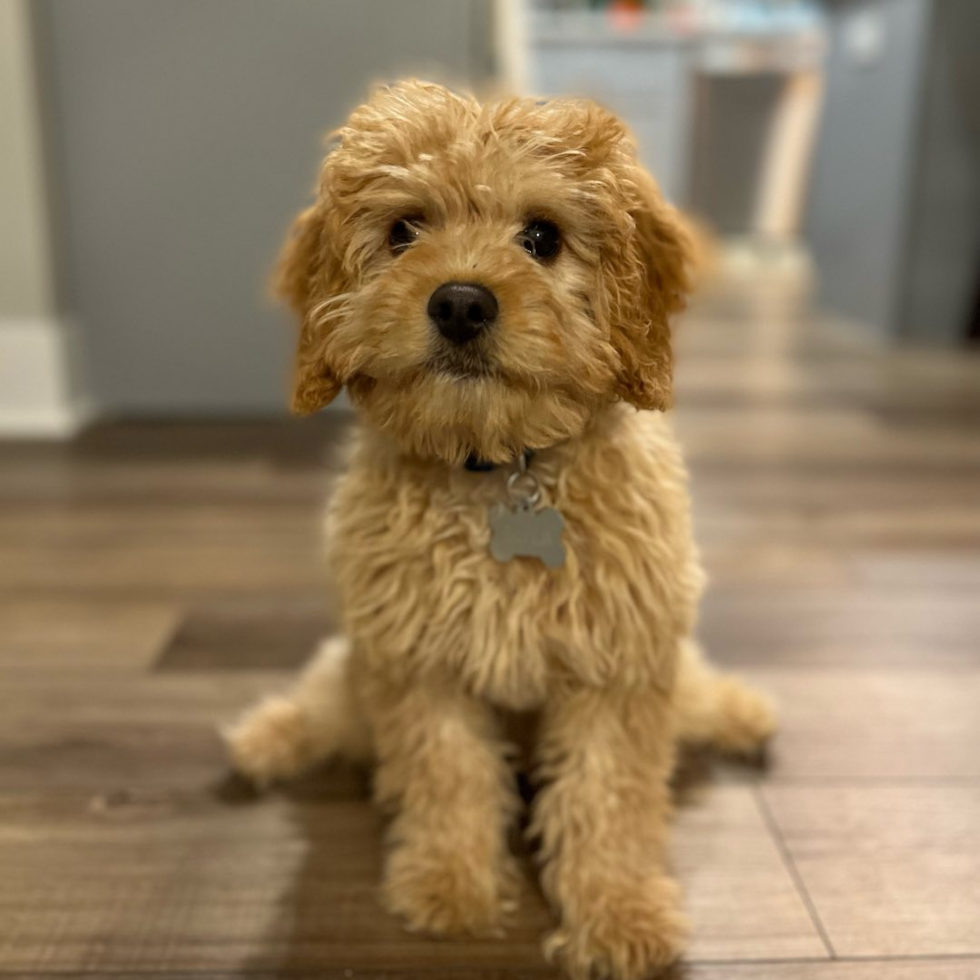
column 493, row 285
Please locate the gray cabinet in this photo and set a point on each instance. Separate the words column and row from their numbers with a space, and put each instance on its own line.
column 894, row 215
column 646, row 79
column 186, row 134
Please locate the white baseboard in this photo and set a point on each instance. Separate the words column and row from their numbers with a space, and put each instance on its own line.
column 40, row 391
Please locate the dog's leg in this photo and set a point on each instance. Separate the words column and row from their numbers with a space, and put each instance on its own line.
column 319, row 717
column 443, row 773
column 718, row 710
column 601, row 818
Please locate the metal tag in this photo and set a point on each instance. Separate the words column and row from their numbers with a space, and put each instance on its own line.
column 527, row 532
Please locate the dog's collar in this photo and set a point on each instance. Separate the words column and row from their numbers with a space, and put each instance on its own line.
column 474, row 464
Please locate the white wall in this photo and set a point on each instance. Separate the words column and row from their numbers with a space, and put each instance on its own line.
column 25, row 287
column 35, row 382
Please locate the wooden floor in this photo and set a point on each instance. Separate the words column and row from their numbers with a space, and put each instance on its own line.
column 156, row 578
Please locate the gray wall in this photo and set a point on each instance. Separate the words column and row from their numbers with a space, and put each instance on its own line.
column 186, row 134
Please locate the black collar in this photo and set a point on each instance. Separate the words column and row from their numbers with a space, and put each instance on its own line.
column 474, row 464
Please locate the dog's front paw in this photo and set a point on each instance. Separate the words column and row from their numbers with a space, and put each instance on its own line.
column 621, row 934
column 448, row 894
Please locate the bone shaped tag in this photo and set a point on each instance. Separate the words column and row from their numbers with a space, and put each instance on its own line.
column 527, row 532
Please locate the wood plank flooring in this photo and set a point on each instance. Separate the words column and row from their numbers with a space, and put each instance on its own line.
column 157, row 577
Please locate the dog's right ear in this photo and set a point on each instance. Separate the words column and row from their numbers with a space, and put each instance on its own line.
column 307, row 276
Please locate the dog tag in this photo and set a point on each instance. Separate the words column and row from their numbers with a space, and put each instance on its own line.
column 527, row 532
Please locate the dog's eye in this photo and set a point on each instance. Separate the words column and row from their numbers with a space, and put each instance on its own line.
column 541, row 239
column 403, row 233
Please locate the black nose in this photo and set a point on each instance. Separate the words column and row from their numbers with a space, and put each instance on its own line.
column 460, row 310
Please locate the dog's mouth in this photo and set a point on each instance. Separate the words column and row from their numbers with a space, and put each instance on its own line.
column 463, row 364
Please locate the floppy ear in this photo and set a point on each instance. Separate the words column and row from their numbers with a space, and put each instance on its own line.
column 657, row 285
column 307, row 275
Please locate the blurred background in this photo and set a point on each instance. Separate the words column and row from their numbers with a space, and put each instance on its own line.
column 159, row 513
column 153, row 154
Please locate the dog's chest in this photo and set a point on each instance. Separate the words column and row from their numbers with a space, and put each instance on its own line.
column 422, row 591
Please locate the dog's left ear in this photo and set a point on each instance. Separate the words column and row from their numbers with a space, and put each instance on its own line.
column 655, row 286
column 308, row 274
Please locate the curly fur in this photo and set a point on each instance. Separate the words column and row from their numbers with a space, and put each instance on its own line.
column 441, row 641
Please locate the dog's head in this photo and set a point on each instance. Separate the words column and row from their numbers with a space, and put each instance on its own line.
column 483, row 278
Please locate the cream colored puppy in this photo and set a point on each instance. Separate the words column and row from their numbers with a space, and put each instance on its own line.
column 492, row 284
